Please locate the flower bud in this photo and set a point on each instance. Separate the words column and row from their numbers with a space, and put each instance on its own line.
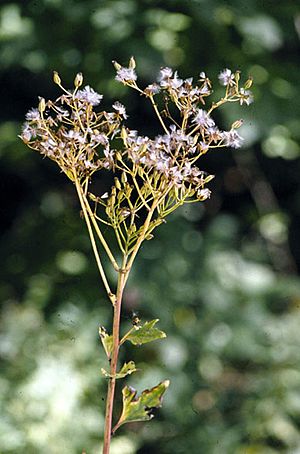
column 128, row 189
column 78, row 80
column 237, row 76
column 132, row 63
column 116, row 65
column 42, row 105
column 118, row 156
column 132, row 228
column 248, row 83
column 124, row 177
column 117, row 183
column 124, row 135
column 92, row 197
column 56, row 78
column 237, row 124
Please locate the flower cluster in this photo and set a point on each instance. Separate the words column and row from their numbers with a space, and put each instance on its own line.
column 71, row 133
column 157, row 174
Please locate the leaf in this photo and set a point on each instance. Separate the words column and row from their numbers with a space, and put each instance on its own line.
column 127, row 369
column 139, row 408
column 145, row 333
column 107, row 340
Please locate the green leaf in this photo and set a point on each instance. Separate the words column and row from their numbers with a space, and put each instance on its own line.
column 127, row 369
column 139, row 408
column 145, row 333
column 107, row 340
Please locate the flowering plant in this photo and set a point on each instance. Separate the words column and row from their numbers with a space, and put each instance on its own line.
column 152, row 177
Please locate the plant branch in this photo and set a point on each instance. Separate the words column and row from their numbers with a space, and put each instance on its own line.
column 99, row 234
column 93, row 242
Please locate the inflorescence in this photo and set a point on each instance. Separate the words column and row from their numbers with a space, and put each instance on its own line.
column 159, row 173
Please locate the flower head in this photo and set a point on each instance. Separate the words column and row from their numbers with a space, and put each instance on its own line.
column 126, row 75
column 120, row 109
column 89, row 95
column 203, row 119
column 33, row 114
column 226, row 77
column 246, row 97
column 232, row 139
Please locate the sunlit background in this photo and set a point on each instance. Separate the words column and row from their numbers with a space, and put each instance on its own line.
column 220, row 276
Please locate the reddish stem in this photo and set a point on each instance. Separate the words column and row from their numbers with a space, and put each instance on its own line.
column 113, row 363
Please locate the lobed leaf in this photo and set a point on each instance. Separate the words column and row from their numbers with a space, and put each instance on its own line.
column 145, row 333
column 127, row 369
column 139, row 408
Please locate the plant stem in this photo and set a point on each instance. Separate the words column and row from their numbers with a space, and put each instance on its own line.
column 93, row 242
column 100, row 236
column 114, row 357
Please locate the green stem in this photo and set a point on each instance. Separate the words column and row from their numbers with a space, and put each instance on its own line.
column 93, row 242
column 99, row 234
column 142, row 237
column 158, row 114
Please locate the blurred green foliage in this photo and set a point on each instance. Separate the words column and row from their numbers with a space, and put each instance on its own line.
column 221, row 277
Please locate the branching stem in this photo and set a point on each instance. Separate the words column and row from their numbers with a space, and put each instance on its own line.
column 93, row 242
column 99, row 234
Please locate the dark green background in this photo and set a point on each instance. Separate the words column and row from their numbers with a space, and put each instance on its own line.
column 221, row 276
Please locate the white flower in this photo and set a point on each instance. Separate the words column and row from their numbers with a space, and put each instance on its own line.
column 27, row 132
column 176, row 82
column 126, row 75
column 226, row 77
column 204, row 147
column 33, row 114
column 74, row 135
column 152, row 89
column 89, row 165
column 188, row 81
column 176, row 174
column 89, row 95
column 245, row 97
column 203, row 194
column 232, row 139
column 108, row 162
column 165, row 73
column 120, row 109
column 99, row 139
column 204, row 89
column 203, row 119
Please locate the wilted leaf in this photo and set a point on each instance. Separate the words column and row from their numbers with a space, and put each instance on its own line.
column 107, row 340
column 145, row 333
column 139, row 408
column 127, row 369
